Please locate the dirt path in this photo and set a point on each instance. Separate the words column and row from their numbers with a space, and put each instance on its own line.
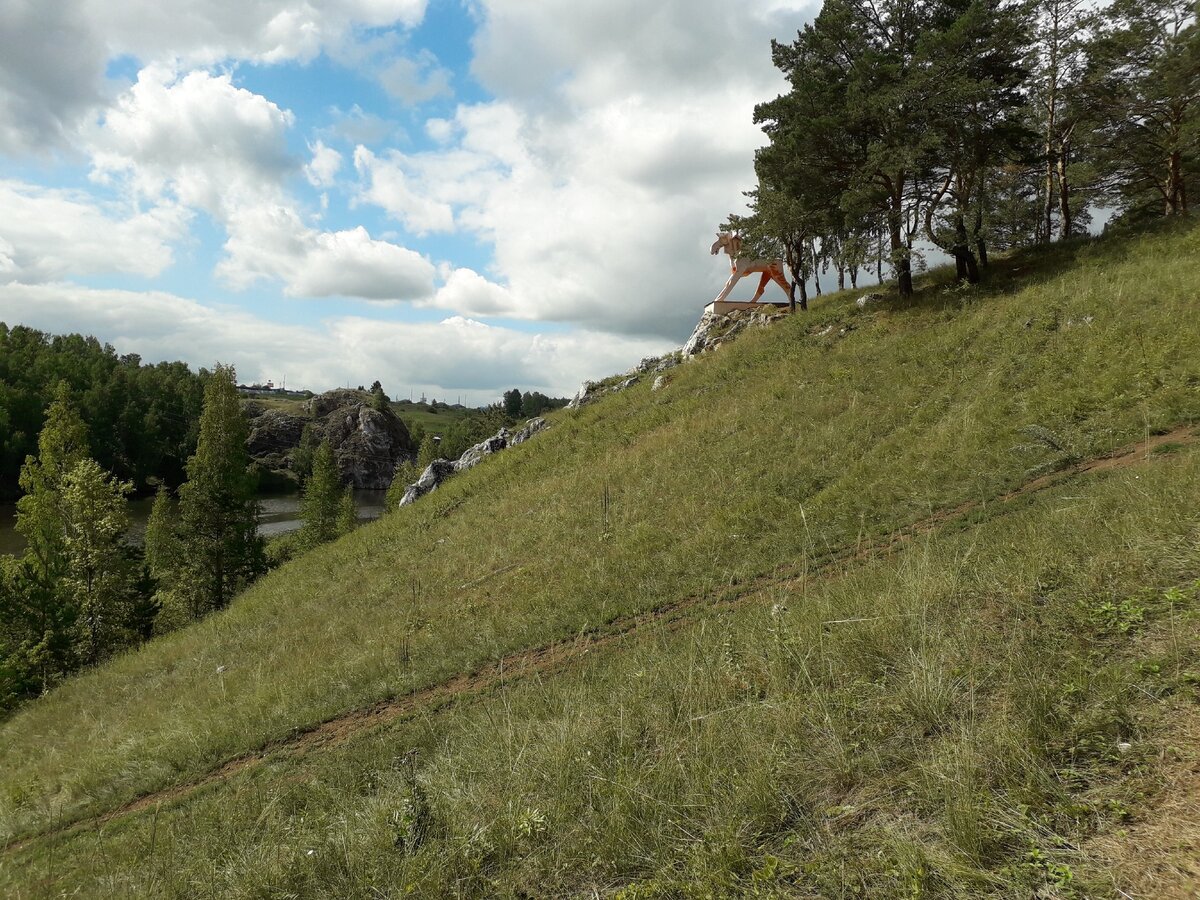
column 553, row 657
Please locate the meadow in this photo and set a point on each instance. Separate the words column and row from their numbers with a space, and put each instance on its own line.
column 847, row 608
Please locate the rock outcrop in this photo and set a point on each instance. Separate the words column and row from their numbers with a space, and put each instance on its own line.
column 441, row 469
column 594, row 390
column 368, row 443
column 714, row 329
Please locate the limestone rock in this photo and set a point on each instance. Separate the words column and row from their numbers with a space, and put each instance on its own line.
column 441, row 469
column 872, row 299
column 473, row 456
column 367, row 443
column 435, row 473
column 532, row 427
column 273, row 431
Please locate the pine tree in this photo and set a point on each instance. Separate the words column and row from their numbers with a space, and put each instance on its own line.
column 38, row 617
column 62, row 444
column 321, row 501
column 98, row 579
column 221, row 551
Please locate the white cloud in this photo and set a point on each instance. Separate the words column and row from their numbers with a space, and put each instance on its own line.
column 387, row 185
column 199, row 140
column 601, row 172
column 270, row 241
column 53, row 53
column 416, row 79
column 196, row 136
column 468, row 292
column 325, row 165
column 455, row 356
column 48, row 234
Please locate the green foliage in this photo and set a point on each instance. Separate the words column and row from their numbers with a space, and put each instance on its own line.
column 430, row 449
column 347, row 512
column 512, row 403
column 62, row 444
column 142, row 418
column 302, row 456
column 320, row 504
column 379, row 400
column 98, row 580
column 220, row 550
column 1141, row 105
column 406, row 473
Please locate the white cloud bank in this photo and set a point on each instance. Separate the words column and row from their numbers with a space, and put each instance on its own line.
column 455, row 356
column 53, row 53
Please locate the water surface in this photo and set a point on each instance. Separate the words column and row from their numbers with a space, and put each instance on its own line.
column 278, row 514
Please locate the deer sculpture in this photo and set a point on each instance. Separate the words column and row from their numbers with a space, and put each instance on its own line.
column 771, row 269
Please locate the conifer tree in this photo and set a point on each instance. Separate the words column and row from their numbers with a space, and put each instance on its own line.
column 62, row 444
column 320, row 504
column 98, row 578
column 38, row 617
column 220, row 550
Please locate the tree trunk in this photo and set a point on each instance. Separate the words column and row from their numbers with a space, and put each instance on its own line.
column 1048, row 199
column 853, row 277
column 901, row 258
column 1176, row 199
column 841, row 270
column 964, row 259
column 1064, row 193
column 816, row 268
column 981, row 247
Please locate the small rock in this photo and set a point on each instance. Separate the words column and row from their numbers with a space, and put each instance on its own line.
column 869, row 300
column 659, row 383
column 1124, row 747
column 627, row 383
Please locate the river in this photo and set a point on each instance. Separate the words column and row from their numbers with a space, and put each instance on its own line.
column 278, row 514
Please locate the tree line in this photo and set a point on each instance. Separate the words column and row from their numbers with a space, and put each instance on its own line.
column 971, row 125
column 142, row 419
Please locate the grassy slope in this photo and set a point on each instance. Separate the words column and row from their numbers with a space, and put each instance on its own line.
column 785, row 446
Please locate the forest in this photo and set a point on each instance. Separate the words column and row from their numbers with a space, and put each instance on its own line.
column 970, row 127
column 142, row 419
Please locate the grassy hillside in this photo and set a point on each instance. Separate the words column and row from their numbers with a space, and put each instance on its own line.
column 796, row 624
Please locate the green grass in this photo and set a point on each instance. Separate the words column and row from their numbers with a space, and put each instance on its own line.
column 936, row 746
column 433, row 422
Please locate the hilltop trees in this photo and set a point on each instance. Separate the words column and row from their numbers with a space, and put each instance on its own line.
column 142, row 418
column 1143, row 94
column 932, row 119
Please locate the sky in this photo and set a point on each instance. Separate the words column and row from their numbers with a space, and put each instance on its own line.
column 454, row 197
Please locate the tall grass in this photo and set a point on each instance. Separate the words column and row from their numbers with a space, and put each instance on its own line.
column 782, row 448
column 955, row 720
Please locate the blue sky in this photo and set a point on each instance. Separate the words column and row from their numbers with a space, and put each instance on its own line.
column 452, row 196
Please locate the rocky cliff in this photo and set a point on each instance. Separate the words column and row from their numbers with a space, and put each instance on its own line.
column 368, row 443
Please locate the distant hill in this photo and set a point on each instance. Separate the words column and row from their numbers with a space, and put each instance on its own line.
column 880, row 601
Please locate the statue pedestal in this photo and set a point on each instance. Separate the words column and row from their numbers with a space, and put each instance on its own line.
column 724, row 307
